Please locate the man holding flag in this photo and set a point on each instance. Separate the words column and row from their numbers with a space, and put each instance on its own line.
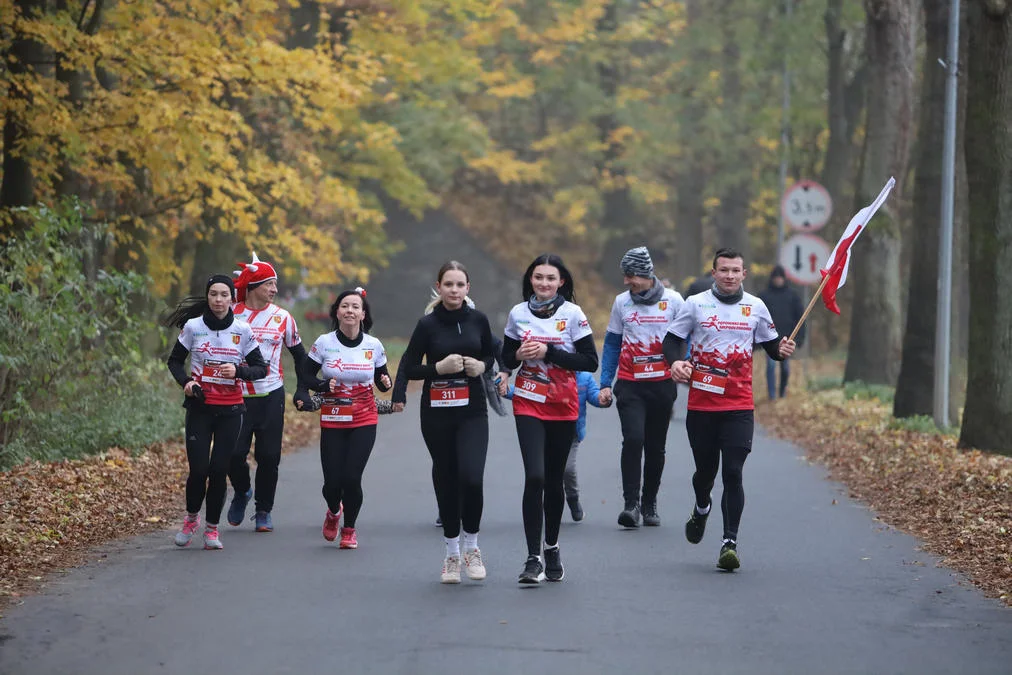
column 725, row 322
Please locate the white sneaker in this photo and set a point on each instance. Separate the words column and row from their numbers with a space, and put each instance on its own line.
column 473, row 565
column 190, row 525
column 211, row 540
column 451, row 570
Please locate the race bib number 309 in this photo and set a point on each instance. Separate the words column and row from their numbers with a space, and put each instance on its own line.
column 532, row 386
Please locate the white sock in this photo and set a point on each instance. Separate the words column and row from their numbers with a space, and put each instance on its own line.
column 548, row 548
column 452, row 547
column 703, row 512
column 470, row 541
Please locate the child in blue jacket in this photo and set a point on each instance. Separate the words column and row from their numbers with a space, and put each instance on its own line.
column 589, row 392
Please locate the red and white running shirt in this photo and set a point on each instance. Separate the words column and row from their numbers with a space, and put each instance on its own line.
column 544, row 390
column 353, row 404
column 211, row 349
column 274, row 328
column 722, row 339
column 643, row 328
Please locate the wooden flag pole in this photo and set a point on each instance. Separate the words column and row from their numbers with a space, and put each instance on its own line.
column 811, row 303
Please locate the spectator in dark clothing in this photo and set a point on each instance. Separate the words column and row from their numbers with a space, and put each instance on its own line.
column 699, row 284
column 786, row 308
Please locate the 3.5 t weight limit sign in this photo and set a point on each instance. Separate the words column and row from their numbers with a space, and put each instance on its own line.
column 802, row 257
column 806, row 206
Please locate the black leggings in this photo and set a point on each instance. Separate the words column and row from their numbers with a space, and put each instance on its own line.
column 343, row 456
column 458, row 447
column 209, row 463
column 545, row 447
column 644, row 409
column 265, row 418
column 712, row 434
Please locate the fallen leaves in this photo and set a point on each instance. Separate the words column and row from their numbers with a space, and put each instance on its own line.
column 958, row 501
column 52, row 514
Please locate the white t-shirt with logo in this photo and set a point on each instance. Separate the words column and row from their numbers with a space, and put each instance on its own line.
column 211, row 349
column 353, row 404
column 274, row 328
column 722, row 339
column 545, row 390
column 643, row 328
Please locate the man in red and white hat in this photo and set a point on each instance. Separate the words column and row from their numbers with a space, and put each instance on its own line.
column 256, row 285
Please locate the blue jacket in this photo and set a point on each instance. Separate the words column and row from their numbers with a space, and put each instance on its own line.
column 588, row 392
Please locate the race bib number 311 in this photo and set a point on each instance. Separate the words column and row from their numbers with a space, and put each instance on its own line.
column 449, row 394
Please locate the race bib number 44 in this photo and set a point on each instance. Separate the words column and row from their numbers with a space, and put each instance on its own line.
column 649, row 367
column 336, row 410
column 211, row 374
column 709, row 379
column 532, row 386
column 449, row 393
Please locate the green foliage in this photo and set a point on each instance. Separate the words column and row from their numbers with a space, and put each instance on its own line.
column 824, row 383
column 860, row 390
column 922, row 424
column 71, row 369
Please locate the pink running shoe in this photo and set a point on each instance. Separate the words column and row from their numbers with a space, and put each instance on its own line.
column 211, row 541
column 190, row 525
column 348, row 538
column 330, row 524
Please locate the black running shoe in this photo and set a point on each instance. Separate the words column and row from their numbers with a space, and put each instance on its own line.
column 533, row 572
column 650, row 516
column 728, row 558
column 553, row 565
column 695, row 526
column 630, row 516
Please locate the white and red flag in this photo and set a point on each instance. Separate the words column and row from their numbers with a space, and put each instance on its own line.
column 839, row 260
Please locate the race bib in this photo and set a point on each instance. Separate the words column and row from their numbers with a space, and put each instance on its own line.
column 532, row 385
column 211, row 374
column 649, row 367
column 336, row 409
column 710, row 379
column 449, row 393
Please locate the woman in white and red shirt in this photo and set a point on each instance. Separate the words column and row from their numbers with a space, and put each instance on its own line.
column 345, row 364
column 548, row 338
column 222, row 351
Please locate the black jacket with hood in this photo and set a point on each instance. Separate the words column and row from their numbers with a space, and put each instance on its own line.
column 784, row 304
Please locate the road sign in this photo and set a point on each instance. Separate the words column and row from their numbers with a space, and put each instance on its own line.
column 802, row 257
column 806, row 206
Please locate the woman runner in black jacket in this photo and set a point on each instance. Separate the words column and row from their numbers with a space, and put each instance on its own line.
column 456, row 342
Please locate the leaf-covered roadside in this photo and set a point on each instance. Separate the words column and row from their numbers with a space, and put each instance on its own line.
column 958, row 502
column 52, row 514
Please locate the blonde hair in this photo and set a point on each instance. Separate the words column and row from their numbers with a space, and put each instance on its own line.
column 436, row 300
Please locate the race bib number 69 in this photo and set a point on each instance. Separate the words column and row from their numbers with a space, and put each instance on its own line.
column 709, row 379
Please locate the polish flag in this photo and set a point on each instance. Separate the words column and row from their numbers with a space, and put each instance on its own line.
column 839, row 260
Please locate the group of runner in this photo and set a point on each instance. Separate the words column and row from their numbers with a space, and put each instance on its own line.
column 233, row 393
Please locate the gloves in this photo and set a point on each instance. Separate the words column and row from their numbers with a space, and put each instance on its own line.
column 310, row 402
column 384, row 406
column 454, row 363
column 473, row 367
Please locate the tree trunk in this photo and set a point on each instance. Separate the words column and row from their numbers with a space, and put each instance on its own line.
column 987, row 422
column 18, row 185
column 736, row 169
column 845, row 104
column 619, row 221
column 873, row 355
column 915, row 387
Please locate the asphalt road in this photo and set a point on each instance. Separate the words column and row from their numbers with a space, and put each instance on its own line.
column 823, row 588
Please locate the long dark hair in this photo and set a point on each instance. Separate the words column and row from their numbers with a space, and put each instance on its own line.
column 566, row 290
column 366, row 324
column 193, row 306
